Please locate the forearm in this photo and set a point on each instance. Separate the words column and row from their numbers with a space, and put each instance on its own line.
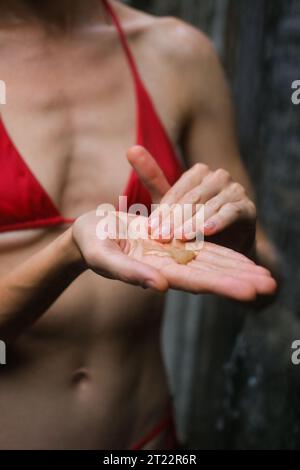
column 29, row 290
column 267, row 254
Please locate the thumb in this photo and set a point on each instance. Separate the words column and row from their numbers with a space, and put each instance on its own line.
column 132, row 271
column 148, row 171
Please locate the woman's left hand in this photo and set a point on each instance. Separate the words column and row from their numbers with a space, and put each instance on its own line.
column 229, row 214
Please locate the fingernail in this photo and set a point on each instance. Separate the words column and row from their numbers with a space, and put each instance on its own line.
column 166, row 231
column 209, row 225
column 154, row 223
column 155, row 234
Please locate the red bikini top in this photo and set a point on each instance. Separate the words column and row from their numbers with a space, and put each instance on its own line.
column 25, row 204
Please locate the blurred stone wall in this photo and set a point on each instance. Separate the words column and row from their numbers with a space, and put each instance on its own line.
column 261, row 386
column 230, row 369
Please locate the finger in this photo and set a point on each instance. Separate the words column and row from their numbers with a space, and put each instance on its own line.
column 235, row 192
column 207, row 186
column 232, row 267
column 235, row 271
column 228, row 252
column 188, row 180
column 221, row 261
column 161, row 216
column 191, row 228
column 148, row 172
column 214, row 204
column 189, row 221
column 202, row 281
column 117, row 265
column 228, row 214
column 264, row 284
column 212, row 184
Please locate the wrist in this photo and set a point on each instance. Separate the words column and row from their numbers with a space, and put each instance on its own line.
column 72, row 256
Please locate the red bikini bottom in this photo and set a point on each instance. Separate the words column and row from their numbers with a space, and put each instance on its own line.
column 166, row 426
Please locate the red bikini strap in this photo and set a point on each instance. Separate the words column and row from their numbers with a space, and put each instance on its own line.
column 123, row 40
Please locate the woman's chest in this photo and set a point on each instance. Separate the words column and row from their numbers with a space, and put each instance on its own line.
column 72, row 115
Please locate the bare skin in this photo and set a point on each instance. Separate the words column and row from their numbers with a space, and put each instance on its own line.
column 75, row 377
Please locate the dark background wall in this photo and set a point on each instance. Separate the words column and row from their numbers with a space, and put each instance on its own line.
column 233, row 380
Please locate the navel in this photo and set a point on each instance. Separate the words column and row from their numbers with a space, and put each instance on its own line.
column 80, row 377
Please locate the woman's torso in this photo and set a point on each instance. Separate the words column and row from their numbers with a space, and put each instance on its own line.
column 91, row 366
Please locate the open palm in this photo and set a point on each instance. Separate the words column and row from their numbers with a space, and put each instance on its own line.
column 215, row 269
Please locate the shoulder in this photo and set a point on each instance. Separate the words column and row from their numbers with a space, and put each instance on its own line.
column 184, row 55
column 182, row 42
column 181, row 45
column 191, row 60
column 170, row 36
